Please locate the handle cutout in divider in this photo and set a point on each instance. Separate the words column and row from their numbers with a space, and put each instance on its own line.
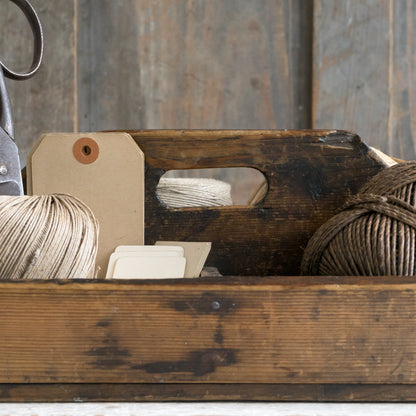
column 239, row 186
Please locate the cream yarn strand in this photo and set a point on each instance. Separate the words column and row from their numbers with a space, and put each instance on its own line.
column 47, row 237
column 194, row 192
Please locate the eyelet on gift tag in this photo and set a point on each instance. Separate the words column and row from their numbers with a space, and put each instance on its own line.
column 86, row 150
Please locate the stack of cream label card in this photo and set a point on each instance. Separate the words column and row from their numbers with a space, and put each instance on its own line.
column 165, row 260
column 146, row 262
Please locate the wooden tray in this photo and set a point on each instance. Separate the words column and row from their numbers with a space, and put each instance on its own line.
column 251, row 335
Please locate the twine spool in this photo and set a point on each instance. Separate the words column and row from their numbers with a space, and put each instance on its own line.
column 374, row 234
column 46, row 237
column 194, row 192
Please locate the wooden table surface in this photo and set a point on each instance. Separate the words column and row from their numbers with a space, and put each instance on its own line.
column 207, row 409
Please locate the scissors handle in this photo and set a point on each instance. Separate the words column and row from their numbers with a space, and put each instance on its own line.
column 10, row 175
column 36, row 27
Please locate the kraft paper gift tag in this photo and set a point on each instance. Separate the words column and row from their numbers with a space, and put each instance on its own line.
column 104, row 170
column 196, row 254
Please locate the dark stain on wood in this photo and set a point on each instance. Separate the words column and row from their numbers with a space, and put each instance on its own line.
column 198, row 363
column 108, row 357
column 218, row 336
column 5, row 393
column 382, row 296
column 399, row 364
column 307, row 176
column 109, row 341
column 104, row 323
column 207, row 303
column 315, row 313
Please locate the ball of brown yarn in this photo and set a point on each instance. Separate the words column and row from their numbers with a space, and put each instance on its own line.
column 46, row 237
column 374, row 234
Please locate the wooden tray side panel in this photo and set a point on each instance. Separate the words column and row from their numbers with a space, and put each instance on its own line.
column 274, row 331
column 309, row 173
column 137, row 392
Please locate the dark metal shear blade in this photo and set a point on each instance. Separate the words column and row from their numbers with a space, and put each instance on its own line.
column 10, row 175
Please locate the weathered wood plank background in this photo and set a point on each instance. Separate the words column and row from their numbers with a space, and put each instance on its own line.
column 365, row 71
column 161, row 64
column 239, row 64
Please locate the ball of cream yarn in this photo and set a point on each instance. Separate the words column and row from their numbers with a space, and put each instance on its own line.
column 47, row 237
column 194, row 192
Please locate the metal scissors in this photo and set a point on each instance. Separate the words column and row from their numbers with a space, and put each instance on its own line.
column 10, row 173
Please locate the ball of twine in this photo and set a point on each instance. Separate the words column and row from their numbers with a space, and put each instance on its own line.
column 374, row 234
column 47, row 237
column 194, row 192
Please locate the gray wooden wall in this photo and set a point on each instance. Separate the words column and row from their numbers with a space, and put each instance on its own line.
column 221, row 64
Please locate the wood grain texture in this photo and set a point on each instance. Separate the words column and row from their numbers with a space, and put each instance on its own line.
column 205, row 392
column 364, row 77
column 272, row 330
column 194, row 64
column 309, row 174
column 46, row 102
